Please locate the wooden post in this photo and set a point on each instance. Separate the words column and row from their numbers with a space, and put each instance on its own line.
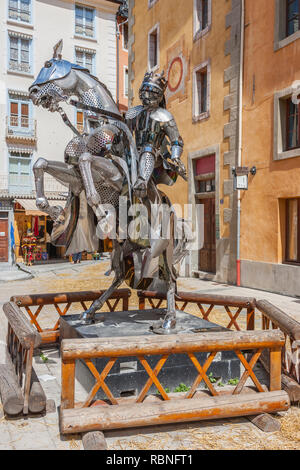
column 142, row 303
column 275, row 369
column 67, row 384
column 125, row 303
column 28, row 379
column 37, row 398
column 94, row 441
column 265, row 422
column 250, row 318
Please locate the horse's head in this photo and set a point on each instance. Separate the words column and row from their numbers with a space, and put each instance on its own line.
column 55, row 82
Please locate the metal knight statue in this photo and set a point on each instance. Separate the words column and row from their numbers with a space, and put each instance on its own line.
column 110, row 159
column 155, row 129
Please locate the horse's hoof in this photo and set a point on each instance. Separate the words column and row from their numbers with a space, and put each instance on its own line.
column 58, row 215
column 167, row 326
column 87, row 318
column 140, row 189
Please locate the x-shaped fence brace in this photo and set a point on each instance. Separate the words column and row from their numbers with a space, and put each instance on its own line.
column 153, row 377
column 205, row 313
column 34, row 315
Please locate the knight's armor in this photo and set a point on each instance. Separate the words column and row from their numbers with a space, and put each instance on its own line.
column 156, row 134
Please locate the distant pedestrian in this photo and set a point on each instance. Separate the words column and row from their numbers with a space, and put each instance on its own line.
column 76, row 258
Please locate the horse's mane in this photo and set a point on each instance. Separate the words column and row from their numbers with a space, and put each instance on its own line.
column 102, row 84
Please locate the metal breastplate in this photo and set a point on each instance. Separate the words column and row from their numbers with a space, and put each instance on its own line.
column 148, row 131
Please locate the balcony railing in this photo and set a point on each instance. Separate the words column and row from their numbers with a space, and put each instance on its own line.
column 24, row 184
column 19, row 14
column 23, row 67
column 20, row 127
column 19, row 184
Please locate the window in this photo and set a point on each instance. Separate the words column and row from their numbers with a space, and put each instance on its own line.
column 286, row 140
column 19, row 172
column 205, row 169
column 292, row 231
column 19, row 10
column 84, row 21
column 19, row 54
column 201, row 92
column 202, row 17
column 19, row 114
column 80, row 121
column 292, row 127
column 125, row 36
column 126, row 82
column 292, row 16
column 287, row 22
column 86, row 58
column 153, row 48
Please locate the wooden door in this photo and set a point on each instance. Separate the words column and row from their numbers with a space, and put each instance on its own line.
column 207, row 256
column 3, row 240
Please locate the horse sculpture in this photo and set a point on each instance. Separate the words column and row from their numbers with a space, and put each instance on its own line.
column 101, row 165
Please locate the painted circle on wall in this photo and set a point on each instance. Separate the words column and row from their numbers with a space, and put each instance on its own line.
column 175, row 74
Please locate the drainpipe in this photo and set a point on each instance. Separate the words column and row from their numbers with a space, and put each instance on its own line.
column 118, row 26
column 240, row 141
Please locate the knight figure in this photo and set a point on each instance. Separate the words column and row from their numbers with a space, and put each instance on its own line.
column 110, row 159
column 158, row 141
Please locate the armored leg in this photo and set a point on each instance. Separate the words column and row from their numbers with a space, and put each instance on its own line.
column 98, row 169
column 63, row 173
column 146, row 167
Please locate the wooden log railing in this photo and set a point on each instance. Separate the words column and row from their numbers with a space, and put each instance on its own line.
column 20, row 388
column 274, row 318
column 270, row 316
column 83, row 417
column 206, row 304
column 119, row 300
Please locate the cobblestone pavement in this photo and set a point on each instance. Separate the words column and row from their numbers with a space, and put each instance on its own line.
column 43, row 432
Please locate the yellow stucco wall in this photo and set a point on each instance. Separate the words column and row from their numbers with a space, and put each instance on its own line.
column 262, row 223
column 175, row 18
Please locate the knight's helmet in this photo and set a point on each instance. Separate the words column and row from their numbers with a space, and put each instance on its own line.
column 56, row 67
column 155, row 83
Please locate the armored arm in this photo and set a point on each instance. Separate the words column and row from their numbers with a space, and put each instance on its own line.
column 176, row 142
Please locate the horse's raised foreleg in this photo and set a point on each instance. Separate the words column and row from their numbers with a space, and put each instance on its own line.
column 61, row 172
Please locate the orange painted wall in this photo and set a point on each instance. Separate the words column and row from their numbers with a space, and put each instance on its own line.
column 262, row 223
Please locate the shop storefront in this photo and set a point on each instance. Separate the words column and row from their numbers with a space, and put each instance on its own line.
column 32, row 229
column 6, row 220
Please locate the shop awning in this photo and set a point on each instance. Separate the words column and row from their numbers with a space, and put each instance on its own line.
column 31, row 209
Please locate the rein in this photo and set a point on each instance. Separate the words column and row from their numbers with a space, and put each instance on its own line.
column 95, row 110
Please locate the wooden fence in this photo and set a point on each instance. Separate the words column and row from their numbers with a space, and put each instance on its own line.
column 194, row 405
column 257, row 315
column 119, row 300
column 20, row 389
